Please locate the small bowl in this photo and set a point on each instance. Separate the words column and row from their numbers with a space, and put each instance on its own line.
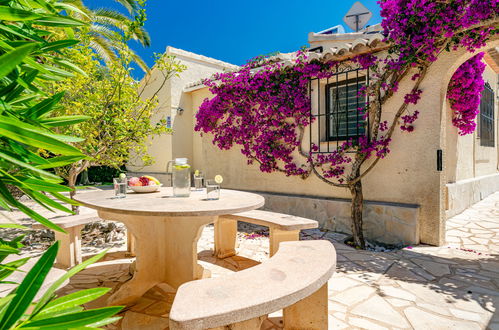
column 145, row 189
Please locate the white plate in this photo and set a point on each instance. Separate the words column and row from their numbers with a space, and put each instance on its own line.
column 145, row 189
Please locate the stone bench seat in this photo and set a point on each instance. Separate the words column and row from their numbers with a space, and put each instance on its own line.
column 294, row 279
column 282, row 227
column 69, row 254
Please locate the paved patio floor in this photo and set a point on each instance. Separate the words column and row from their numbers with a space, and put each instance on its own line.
column 451, row 287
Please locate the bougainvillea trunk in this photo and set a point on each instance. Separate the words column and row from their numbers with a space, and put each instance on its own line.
column 356, row 214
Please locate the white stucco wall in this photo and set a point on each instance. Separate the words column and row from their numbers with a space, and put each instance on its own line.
column 171, row 97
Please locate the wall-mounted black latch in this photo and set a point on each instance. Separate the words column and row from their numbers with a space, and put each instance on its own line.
column 439, row 160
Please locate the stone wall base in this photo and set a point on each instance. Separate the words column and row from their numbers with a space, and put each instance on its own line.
column 464, row 193
column 390, row 223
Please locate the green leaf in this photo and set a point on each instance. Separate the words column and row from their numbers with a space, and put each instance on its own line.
column 41, row 185
column 59, row 21
column 44, row 200
column 13, row 58
column 70, row 66
column 12, row 225
column 5, row 248
column 20, row 163
column 36, row 137
column 50, row 291
column 10, row 267
column 69, row 321
column 13, row 14
column 44, row 106
column 27, row 290
column 60, row 312
column 65, row 199
column 56, row 45
column 64, row 120
column 59, row 161
column 107, row 321
column 69, row 301
column 4, row 301
column 4, row 192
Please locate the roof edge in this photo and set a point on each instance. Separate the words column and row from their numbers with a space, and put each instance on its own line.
column 201, row 58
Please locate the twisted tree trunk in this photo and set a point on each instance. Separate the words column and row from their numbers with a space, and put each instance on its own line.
column 72, row 177
column 356, row 214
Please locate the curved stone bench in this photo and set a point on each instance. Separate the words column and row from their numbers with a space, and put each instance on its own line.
column 294, row 279
column 282, row 228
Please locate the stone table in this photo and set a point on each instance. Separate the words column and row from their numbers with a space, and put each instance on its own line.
column 166, row 230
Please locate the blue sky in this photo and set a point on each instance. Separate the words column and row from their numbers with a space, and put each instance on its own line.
column 234, row 31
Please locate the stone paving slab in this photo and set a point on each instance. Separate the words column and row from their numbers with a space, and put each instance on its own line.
column 451, row 287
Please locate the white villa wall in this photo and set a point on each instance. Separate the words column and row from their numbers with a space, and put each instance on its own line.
column 171, row 97
column 476, row 167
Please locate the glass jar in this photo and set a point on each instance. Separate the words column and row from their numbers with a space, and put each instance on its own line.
column 181, row 178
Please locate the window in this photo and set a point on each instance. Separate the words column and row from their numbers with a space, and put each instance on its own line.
column 486, row 123
column 343, row 101
column 335, row 104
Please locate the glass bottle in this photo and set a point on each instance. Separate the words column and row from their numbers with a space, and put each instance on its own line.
column 181, row 178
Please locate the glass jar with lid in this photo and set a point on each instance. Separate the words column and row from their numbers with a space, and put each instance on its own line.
column 181, row 178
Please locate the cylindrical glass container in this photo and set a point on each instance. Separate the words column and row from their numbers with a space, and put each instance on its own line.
column 181, row 178
column 198, row 180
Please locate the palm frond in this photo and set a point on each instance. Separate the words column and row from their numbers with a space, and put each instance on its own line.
column 130, row 5
column 104, row 31
column 139, row 61
column 102, row 47
column 141, row 35
column 110, row 16
column 117, row 20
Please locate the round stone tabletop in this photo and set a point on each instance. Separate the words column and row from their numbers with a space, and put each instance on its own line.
column 162, row 203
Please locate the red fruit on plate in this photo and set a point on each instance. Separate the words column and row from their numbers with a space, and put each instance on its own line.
column 144, row 181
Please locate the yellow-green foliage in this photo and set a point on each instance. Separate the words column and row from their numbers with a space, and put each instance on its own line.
column 120, row 120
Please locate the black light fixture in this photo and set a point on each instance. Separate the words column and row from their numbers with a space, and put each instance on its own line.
column 180, row 111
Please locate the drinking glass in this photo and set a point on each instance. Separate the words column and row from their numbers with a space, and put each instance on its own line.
column 199, row 181
column 120, row 187
column 212, row 190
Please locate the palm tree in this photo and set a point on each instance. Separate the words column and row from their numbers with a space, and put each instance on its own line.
column 107, row 27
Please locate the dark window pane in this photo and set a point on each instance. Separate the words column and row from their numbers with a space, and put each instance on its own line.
column 486, row 123
column 343, row 101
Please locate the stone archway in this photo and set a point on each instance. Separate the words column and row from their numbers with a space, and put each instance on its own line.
column 431, row 135
column 448, row 133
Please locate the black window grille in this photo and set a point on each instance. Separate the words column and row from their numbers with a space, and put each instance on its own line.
column 486, row 124
column 339, row 108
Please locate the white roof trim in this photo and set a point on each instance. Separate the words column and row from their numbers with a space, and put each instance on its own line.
column 201, row 58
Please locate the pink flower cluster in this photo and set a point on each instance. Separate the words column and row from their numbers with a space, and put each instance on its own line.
column 265, row 105
column 417, row 28
column 408, row 120
column 261, row 110
column 464, row 93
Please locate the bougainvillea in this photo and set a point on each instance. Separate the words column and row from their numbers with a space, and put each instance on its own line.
column 265, row 106
column 464, row 93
